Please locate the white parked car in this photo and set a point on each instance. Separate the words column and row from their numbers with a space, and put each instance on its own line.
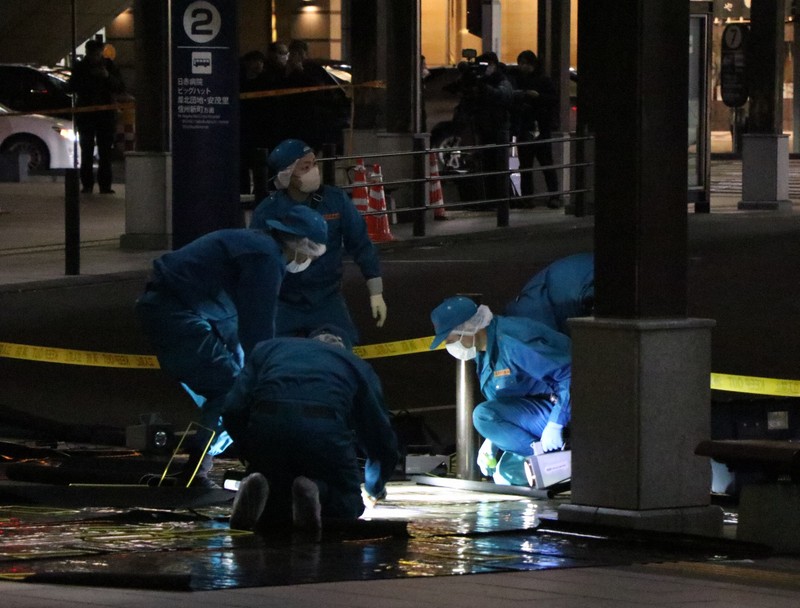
column 49, row 142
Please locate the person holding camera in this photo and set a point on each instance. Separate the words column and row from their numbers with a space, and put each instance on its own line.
column 490, row 95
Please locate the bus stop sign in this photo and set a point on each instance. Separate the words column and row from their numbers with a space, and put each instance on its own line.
column 733, row 73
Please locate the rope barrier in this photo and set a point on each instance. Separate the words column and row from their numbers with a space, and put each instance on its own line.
column 373, row 84
column 776, row 387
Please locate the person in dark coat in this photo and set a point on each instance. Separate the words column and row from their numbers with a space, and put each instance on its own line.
column 96, row 81
column 535, row 102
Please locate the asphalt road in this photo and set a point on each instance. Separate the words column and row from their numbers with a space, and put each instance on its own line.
column 743, row 273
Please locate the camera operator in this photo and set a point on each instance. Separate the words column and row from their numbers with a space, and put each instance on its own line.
column 486, row 103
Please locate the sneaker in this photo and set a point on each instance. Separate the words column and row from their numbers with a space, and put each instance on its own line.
column 107, row 191
column 249, row 503
column 306, row 510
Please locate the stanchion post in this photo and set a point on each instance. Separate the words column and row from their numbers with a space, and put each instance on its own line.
column 466, row 440
column 420, row 186
column 466, row 437
column 72, row 223
column 505, row 176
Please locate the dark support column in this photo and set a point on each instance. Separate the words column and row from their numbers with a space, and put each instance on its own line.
column 402, row 67
column 766, row 59
column 765, row 149
column 796, row 78
column 152, row 60
column 640, row 125
column 554, row 51
column 553, row 30
column 368, row 53
column 640, row 380
column 148, row 192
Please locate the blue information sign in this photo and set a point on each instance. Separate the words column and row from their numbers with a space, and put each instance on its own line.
column 205, row 118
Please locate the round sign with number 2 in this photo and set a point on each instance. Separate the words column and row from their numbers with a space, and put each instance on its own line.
column 201, row 21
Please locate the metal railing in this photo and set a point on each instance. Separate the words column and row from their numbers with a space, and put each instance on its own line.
column 415, row 178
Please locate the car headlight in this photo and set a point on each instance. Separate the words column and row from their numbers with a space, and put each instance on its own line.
column 68, row 134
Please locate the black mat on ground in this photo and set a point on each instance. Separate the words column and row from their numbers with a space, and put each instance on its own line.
column 109, row 495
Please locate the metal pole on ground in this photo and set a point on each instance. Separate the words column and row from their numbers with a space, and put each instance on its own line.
column 466, row 437
column 72, row 223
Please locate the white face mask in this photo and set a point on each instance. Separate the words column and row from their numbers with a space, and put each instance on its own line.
column 461, row 352
column 309, row 181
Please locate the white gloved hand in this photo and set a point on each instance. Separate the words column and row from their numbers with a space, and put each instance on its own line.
column 378, row 307
column 551, row 437
column 487, row 458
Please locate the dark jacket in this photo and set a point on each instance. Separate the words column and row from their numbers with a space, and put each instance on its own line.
column 534, row 113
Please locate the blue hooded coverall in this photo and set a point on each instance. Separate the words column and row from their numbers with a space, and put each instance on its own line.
column 314, row 297
column 300, row 408
column 562, row 290
column 208, row 304
column 524, row 374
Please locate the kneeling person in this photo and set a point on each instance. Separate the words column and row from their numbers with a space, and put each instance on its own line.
column 299, row 412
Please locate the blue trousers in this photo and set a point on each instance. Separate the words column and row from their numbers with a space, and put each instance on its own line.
column 295, row 320
column 287, row 440
column 512, row 424
column 202, row 353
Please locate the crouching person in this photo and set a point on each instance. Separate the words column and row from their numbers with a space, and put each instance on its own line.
column 299, row 412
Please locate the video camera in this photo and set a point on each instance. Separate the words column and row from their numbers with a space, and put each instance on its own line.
column 470, row 71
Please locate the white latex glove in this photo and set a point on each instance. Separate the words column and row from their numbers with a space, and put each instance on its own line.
column 551, row 437
column 487, row 458
column 378, row 307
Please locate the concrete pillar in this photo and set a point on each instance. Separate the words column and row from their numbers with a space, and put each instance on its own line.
column 148, row 197
column 765, row 172
column 641, row 400
column 765, row 150
column 148, row 171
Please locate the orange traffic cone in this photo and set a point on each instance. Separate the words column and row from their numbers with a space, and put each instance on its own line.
column 434, row 189
column 358, row 193
column 378, row 224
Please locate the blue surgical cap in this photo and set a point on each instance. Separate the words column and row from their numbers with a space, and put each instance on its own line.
column 450, row 314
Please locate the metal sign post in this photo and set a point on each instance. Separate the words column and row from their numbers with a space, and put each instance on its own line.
column 205, row 118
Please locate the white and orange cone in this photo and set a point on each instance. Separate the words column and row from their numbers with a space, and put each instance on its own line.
column 358, row 193
column 378, row 224
column 434, row 189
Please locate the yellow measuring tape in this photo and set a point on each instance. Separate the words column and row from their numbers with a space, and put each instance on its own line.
column 46, row 354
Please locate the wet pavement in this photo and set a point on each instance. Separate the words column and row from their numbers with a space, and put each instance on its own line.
column 417, row 532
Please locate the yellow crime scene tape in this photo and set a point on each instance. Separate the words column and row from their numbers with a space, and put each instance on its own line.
column 68, row 356
column 46, row 354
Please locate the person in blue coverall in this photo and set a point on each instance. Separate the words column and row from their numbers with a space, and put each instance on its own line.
column 298, row 412
column 314, row 298
column 524, row 370
column 210, row 302
column 560, row 291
